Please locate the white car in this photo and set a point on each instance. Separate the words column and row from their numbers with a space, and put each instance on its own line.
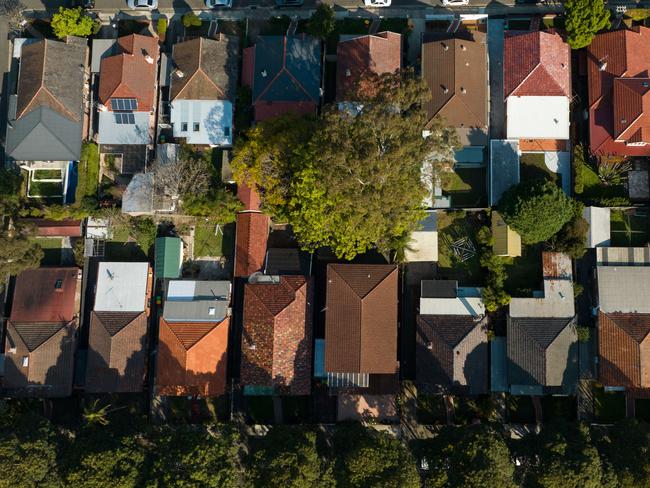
column 142, row 4
column 454, row 3
column 377, row 3
column 218, row 3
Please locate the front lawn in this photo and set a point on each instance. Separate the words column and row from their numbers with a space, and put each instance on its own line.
column 47, row 174
column 46, row 189
column 608, row 406
column 431, row 410
column 452, row 228
column 555, row 407
column 466, row 187
column 525, row 272
column 629, row 228
column 533, row 167
column 51, row 250
column 210, row 242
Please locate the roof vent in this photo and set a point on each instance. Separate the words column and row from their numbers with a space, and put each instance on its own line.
column 563, row 65
column 252, row 347
column 348, row 72
column 179, row 73
column 445, row 46
column 623, row 121
column 463, row 48
column 602, row 66
column 148, row 59
column 466, row 63
column 263, row 73
column 462, row 89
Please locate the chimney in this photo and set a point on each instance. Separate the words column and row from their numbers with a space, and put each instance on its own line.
column 148, row 59
column 179, row 73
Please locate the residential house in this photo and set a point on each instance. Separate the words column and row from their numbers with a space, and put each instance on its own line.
column 203, row 88
column 451, row 339
column 277, row 335
column 46, row 119
column 41, row 333
column 364, row 55
column 127, row 101
column 117, row 343
column 537, row 89
column 193, row 339
column 284, row 74
column 507, row 242
column 542, row 340
column 618, row 64
column 623, row 280
column 360, row 350
column 251, row 233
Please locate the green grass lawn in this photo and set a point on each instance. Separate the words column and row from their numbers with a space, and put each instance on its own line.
column 525, row 272
column 533, row 167
column 629, row 228
column 121, row 248
column 51, row 249
column 46, row 174
column 46, row 189
column 451, row 227
column 554, row 407
column 467, row 187
column 431, row 410
column 88, row 172
column 206, row 243
column 608, row 406
column 595, row 190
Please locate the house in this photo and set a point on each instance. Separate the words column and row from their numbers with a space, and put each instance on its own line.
column 542, row 340
column 284, row 75
column 251, row 234
column 169, row 257
column 599, row 220
column 127, row 101
column 117, row 342
column 287, row 261
column 359, row 56
column 277, row 335
column 537, row 86
column 203, row 88
column 445, row 297
column 618, row 67
column 423, row 246
column 193, row 339
column 41, row 334
column 507, row 242
column 451, row 348
column 454, row 67
column 46, row 118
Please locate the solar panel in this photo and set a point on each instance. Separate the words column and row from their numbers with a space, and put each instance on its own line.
column 124, row 118
column 122, row 104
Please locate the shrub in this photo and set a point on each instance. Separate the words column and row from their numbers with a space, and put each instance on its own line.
column 322, row 22
column 161, row 26
column 578, row 168
column 71, row 22
column 637, row 14
column 583, row 334
column 190, row 20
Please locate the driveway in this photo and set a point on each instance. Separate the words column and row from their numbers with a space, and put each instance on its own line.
column 495, row 30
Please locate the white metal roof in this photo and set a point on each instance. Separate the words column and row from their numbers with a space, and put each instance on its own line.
column 537, row 117
column 214, row 119
column 452, row 306
column 121, row 287
column 556, row 303
column 599, row 226
column 110, row 132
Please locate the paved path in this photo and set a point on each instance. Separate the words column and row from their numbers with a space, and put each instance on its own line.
column 495, row 32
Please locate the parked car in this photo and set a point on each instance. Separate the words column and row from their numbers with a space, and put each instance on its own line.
column 142, row 4
column 218, row 3
column 454, row 3
column 377, row 3
column 289, row 3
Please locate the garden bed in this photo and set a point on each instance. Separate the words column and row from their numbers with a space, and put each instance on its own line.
column 596, row 192
column 46, row 189
column 608, row 406
column 629, row 228
column 47, row 174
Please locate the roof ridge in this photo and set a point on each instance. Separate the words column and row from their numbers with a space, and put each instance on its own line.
column 213, row 327
column 622, row 329
column 61, row 326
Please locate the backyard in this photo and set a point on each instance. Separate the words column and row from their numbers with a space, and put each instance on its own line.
column 520, row 409
column 609, row 406
column 559, row 407
column 525, row 271
column 466, row 187
column 210, row 241
column 130, row 242
column 595, row 191
column 533, row 167
column 629, row 228
column 51, row 250
column 457, row 253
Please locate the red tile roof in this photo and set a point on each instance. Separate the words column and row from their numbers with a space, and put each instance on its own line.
column 252, row 233
column 128, row 74
column 55, row 228
column 249, row 196
column 613, row 57
column 361, row 319
column 45, row 295
column 265, row 110
column 277, row 335
column 536, row 64
column 375, row 53
column 192, row 358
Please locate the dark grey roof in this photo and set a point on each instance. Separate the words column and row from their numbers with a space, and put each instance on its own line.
column 43, row 135
column 114, row 322
column 35, row 334
column 134, row 156
column 439, row 288
column 287, row 262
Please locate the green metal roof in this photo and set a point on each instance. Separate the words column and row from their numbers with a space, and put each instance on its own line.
column 169, row 257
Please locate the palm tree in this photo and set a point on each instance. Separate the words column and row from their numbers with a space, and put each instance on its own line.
column 96, row 415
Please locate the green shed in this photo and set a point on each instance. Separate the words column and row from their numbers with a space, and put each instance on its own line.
column 169, row 257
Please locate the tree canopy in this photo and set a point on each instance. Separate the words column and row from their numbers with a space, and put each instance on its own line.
column 17, row 254
column 322, row 22
column 536, row 209
column 71, row 22
column 348, row 181
column 583, row 20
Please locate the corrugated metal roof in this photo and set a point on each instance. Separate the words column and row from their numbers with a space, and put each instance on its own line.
column 169, row 257
column 197, row 301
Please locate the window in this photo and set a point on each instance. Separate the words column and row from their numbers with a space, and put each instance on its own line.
column 124, row 104
column 196, row 126
column 124, row 118
column 226, row 131
column 58, row 284
column 183, row 126
column 25, row 361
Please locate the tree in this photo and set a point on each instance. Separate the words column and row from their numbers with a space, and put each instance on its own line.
column 188, row 175
column 71, row 22
column 219, row 205
column 187, row 457
column 536, row 209
column 583, row 20
column 349, row 182
column 143, row 231
column 17, row 254
column 493, row 294
column 468, row 457
column 616, row 444
column 288, row 457
column 322, row 22
column 572, row 238
column 190, row 20
column 371, row 458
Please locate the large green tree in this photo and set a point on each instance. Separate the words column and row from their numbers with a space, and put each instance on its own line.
column 583, row 20
column 616, row 445
column 536, row 209
column 71, row 22
column 322, row 22
column 17, row 254
column 288, row 457
column 349, row 181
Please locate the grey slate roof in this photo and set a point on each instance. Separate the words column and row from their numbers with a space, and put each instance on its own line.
column 542, row 352
column 191, row 301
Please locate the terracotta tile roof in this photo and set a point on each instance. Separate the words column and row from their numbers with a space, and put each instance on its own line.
column 209, row 68
column 631, row 109
column 55, row 228
column 620, row 54
column 624, row 349
column 249, row 196
column 49, row 349
column 252, row 232
column 192, row 358
column 117, row 352
column 277, row 335
column 455, row 70
column 361, row 319
column 375, row 53
column 536, row 64
column 128, row 74
column 45, row 295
